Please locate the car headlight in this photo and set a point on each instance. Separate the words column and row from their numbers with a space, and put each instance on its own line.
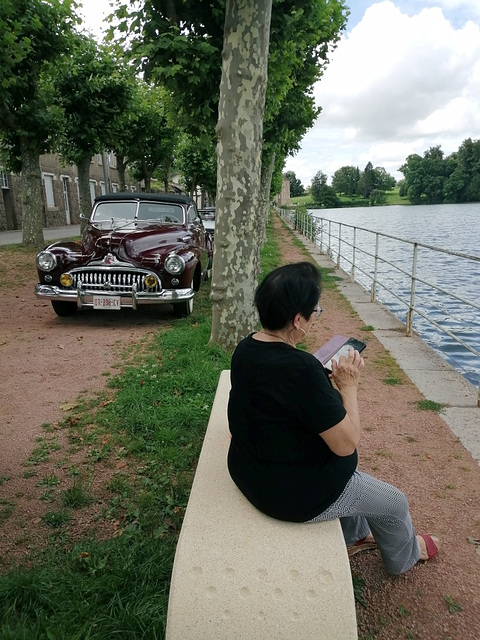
column 46, row 261
column 174, row 264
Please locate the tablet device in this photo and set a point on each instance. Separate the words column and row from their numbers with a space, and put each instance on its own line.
column 336, row 347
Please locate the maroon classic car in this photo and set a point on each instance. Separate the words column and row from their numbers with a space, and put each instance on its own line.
column 138, row 248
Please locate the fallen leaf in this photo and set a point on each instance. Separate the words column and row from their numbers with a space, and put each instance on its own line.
column 61, row 346
column 68, row 406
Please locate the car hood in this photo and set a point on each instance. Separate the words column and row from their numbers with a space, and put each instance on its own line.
column 135, row 242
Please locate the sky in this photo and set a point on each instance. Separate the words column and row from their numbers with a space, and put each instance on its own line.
column 404, row 77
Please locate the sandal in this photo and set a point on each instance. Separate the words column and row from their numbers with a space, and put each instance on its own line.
column 361, row 545
column 431, row 543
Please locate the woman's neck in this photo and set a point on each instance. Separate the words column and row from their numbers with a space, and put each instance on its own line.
column 278, row 336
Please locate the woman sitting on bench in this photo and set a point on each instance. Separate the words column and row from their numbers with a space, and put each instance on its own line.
column 293, row 452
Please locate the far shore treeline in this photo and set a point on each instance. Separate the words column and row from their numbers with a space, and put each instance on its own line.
column 433, row 178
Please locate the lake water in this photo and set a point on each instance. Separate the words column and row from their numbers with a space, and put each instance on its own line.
column 452, row 227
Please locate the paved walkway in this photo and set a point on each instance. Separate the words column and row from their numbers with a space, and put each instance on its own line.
column 429, row 372
column 51, row 233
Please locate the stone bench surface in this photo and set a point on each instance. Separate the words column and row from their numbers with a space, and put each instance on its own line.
column 240, row 575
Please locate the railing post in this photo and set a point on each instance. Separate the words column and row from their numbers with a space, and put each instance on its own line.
column 375, row 269
column 409, row 320
column 329, row 238
column 321, row 234
column 339, row 244
column 352, row 272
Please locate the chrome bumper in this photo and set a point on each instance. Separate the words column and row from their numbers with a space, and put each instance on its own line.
column 85, row 298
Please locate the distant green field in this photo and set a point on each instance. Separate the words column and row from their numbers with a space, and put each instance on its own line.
column 306, row 200
column 356, row 201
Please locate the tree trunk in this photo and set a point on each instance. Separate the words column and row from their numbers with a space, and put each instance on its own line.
column 147, row 177
column 166, row 181
column 239, row 151
column 265, row 186
column 83, row 169
column 121, row 168
column 32, row 197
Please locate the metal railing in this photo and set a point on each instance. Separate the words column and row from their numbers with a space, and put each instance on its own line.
column 369, row 257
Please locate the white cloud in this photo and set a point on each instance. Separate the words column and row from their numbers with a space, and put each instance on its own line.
column 397, row 84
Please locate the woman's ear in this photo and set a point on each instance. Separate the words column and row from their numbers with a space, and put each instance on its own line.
column 297, row 321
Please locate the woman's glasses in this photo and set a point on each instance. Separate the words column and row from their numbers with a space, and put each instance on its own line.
column 316, row 312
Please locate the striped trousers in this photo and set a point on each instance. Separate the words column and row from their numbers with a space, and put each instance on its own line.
column 370, row 505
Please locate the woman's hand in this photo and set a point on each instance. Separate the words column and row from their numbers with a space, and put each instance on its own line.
column 346, row 372
column 343, row 438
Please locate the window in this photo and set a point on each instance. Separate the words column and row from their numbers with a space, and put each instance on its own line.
column 3, row 179
column 48, row 184
column 92, row 191
column 103, row 191
column 114, row 187
column 99, row 159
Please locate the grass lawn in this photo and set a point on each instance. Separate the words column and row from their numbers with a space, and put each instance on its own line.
column 355, row 201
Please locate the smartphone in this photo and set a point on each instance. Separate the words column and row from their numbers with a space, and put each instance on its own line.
column 351, row 343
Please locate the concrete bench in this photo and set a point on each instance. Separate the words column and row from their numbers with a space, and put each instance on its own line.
column 240, row 575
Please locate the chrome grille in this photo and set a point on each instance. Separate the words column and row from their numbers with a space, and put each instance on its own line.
column 116, row 281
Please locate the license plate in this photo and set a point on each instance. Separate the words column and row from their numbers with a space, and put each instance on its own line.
column 106, row 302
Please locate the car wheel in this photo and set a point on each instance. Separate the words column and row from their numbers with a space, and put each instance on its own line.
column 183, row 309
column 64, row 308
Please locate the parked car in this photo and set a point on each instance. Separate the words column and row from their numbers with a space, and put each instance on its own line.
column 208, row 218
column 137, row 249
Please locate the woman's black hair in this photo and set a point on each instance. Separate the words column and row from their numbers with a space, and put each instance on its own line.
column 286, row 291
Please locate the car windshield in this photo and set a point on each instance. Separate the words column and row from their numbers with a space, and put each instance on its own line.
column 160, row 211
column 108, row 210
column 130, row 211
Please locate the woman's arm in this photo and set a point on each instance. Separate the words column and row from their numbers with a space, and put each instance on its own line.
column 343, row 438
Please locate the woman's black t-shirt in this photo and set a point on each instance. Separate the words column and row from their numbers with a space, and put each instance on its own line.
column 280, row 400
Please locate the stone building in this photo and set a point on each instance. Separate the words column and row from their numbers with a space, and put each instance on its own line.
column 60, row 190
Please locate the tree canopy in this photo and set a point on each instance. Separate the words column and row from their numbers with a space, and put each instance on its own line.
column 436, row 178
column 296, row 187
column 94, row 91
column 35, row 34
column 322, row 193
